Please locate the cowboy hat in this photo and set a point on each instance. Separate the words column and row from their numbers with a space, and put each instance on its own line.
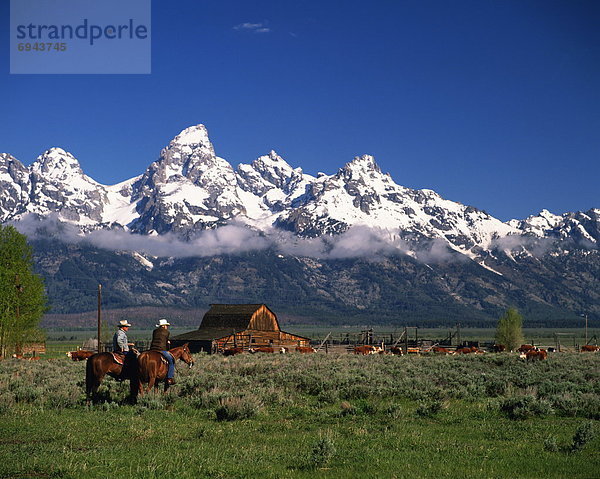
column 163, row 322
column 123, row 323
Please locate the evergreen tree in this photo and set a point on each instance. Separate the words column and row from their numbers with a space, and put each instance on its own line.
column 22, row 294
column 510, row 329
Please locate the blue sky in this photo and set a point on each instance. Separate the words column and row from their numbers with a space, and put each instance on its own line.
column 495, row 104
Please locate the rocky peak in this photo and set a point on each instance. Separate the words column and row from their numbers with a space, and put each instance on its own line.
column 56, row 164
column 195, row 138
column 273, row 170
column 361, row 167
column 191, row 155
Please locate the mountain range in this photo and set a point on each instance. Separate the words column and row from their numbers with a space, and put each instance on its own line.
column 191, row 230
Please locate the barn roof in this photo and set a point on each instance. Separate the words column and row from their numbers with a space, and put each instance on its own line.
column 223, row 320
column 231, row 316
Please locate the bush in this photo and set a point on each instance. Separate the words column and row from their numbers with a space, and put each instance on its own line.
column 429, row 408
column 523, row 407
column 235, row 408
column 550, row 444
column 584, row 434
column 152, row 401
column 322, row 452
column 394, row 411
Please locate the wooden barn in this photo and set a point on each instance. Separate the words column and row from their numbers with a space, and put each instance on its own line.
column 238, row 325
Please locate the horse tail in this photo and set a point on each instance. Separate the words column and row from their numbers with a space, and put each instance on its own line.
column 142, row 368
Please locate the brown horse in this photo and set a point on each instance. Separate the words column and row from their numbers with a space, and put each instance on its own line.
column 152, row 367
column 101, row 364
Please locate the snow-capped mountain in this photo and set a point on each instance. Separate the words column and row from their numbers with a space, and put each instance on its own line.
column 189, row 189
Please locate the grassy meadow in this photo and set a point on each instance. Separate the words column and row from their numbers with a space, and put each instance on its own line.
column 330, row 416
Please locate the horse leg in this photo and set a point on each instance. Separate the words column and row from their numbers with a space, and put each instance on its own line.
column 134, row 389
column 151, row 380
column 88, row 382
column 93, row 379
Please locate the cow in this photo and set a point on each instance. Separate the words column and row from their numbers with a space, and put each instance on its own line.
column 536, row 355
column 305, row 350
column 524, row 348
column 80, row 355
column 498, row 348
column 396, row 351
column 365, row 350
column 262, row 349
column 465, row 350
column 232, row 351
column 440, row 350
column 283, row 350
column 589, row 348
column 25, row 358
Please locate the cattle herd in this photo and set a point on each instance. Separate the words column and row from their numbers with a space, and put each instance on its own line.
column 526, row 351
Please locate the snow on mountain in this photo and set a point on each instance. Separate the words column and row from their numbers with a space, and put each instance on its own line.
column 15, row 186
column 579, row 226
column 59, row 185
column 360, row 194
column 189, row 189
column 268, row 186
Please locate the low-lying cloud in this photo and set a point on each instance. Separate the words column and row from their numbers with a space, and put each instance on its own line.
column 356, row 242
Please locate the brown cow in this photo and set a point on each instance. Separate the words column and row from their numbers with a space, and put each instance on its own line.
column 80, row 355
column 25, row 358
column 589, row 348
column 365, row 350
column 232, row 351
column 498, row 348
column 536, row 355
column 524, row 348
column 263, row 349
column 465, row 350
column 440, row 350
column 397, row 351
column 305, row 349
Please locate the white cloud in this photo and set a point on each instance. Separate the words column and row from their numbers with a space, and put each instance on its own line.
column 356, row 242
column 253, row 27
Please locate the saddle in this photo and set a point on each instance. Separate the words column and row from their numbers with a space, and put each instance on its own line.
column 165, row 355
column 119, row 358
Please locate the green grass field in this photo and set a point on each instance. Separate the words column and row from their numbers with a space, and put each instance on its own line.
column 330, row 416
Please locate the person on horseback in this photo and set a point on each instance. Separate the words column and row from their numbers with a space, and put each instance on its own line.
column 160, row 342
column 120, row 342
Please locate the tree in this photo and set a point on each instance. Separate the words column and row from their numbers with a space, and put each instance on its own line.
column 510, row 329
column 22, row 294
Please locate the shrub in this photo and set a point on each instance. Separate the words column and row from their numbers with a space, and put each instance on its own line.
column 150, row 401
column 26, row 394
column 590, row 406
column 347, row 409
column 235, row 408
column 429, row 408
column 584, row 434
column 394, row 411
column 550, row 444
column 523, row 407
column 322, row 452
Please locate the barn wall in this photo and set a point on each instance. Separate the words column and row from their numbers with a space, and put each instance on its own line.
column 251, row 338
column 263, row 319
column 31, row 348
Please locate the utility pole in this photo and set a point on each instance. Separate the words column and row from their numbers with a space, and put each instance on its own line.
column 99, row 318
column 586, row 327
